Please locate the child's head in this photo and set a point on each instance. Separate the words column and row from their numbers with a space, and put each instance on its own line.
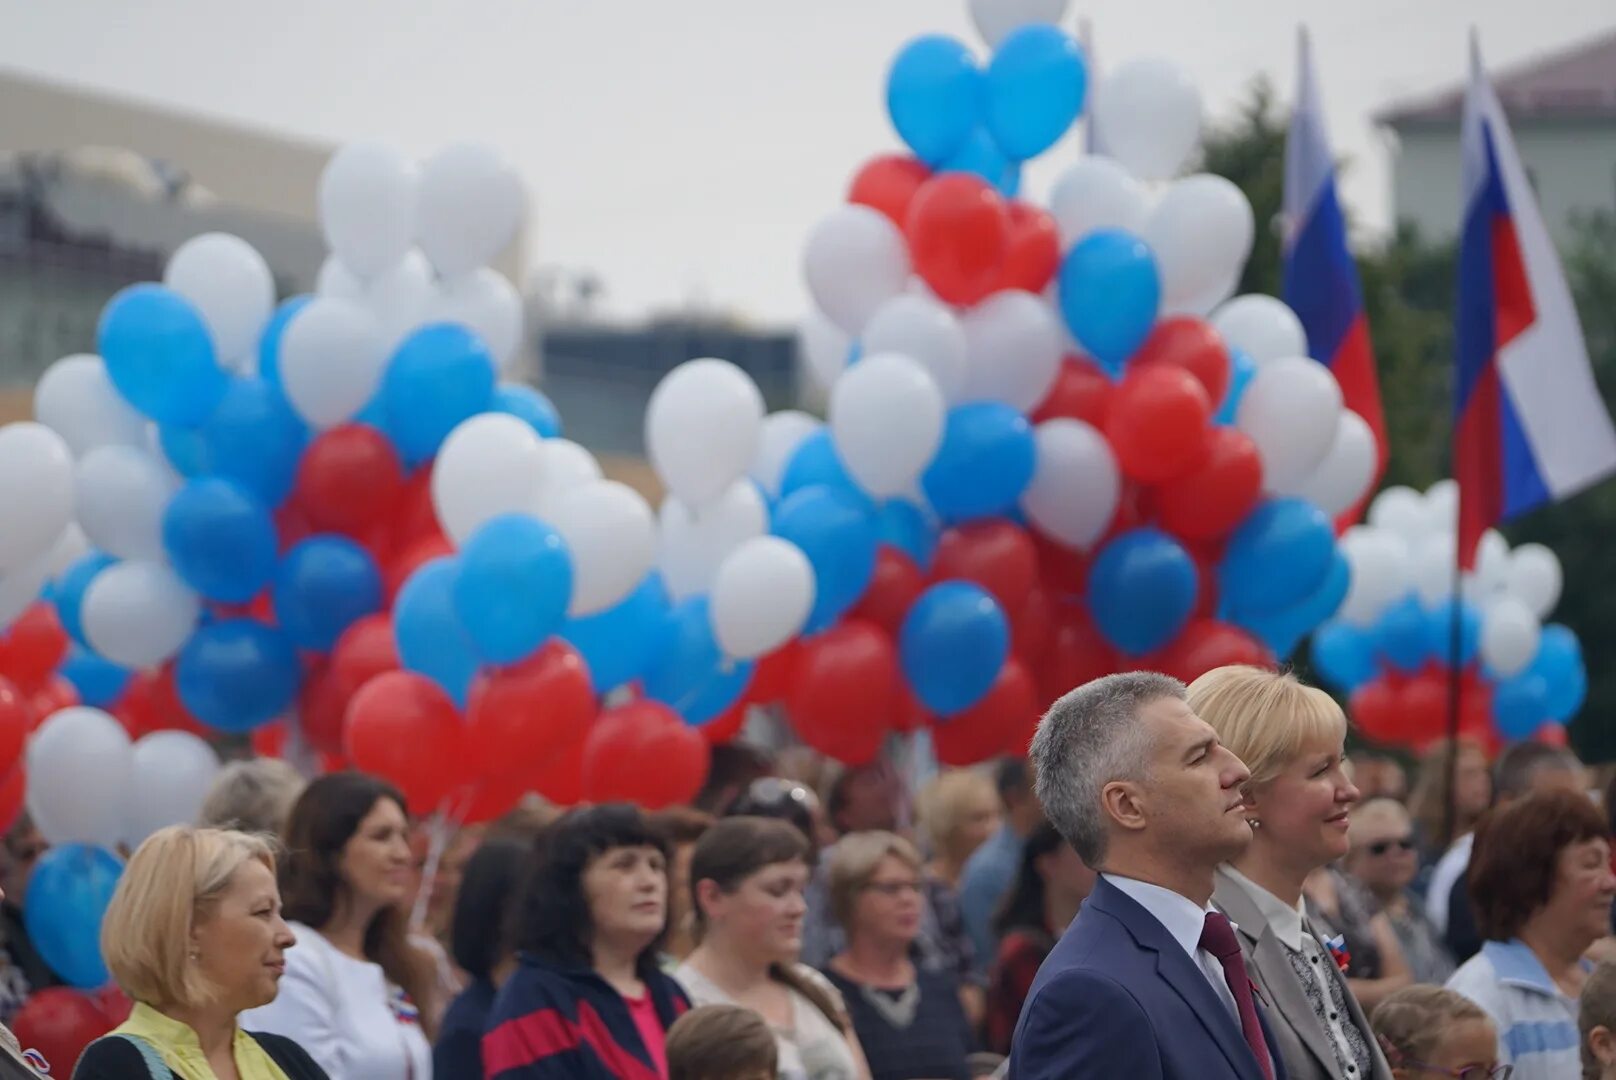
column 1426, row 1028
column 721, row 1042
column 1597, row 1023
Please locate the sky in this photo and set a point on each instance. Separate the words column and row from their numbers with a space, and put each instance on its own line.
column 681, row 150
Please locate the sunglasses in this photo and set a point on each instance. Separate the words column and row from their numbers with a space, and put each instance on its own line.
column 1468, row 1072
column 775, row 791
column 1381, row 847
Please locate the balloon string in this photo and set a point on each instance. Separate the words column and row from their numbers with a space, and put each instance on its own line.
column 445, row 820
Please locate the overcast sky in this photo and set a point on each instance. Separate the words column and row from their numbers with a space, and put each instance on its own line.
column 683, row 148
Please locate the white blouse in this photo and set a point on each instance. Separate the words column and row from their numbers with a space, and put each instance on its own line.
column 352, row 1021
column 811, row 1049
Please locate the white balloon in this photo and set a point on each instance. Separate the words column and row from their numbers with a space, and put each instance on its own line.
column 612, row 536
column 332, row 357
column 1432, row 567
column 565, row 467
column 231, row 287
column 761, row 597
column 76, row 399
column 71, row 546
column 1097, row 193
column 491, row 464
column 470, row 209
column 1014, row 347
column 1074, row 492
column 1492, row 563
column 170, row 774
column 995, row 19
column 367, row 200
column 778, row 438
column 856, row 260
column 1261, row 327
column 1381, row 574
column 122, row 493
column 138, row 614
column 20, row 587
column 1509, row 636
column 822, row 349
column 1534, row 577
column 693, row 542
column 701, row 428
column 403, row 298
column 1290, row 411
column 1148, row 115
column 1348, row 468
column 1442, row 505
column 36, row 489
column 486, row 302
column 1202, row 304
column 1401, row 510
column 337, row 281
column 886, row 419
column 1200, row 232
column 926, row 330
column 79, row 765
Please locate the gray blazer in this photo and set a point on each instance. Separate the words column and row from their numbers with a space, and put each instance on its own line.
column 1304, row 1044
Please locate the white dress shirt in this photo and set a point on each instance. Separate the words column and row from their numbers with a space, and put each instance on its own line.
column 1450, row 868
column 1184, row 921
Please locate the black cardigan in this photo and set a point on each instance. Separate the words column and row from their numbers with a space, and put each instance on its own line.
column 116, row 1058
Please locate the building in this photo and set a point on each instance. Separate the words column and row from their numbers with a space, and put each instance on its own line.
column 1562, row 109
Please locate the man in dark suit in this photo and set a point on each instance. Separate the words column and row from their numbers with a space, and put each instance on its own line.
column 1148, row 983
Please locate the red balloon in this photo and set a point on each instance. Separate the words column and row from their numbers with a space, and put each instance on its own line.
column 1064, row 571
column 982, row 731
column 1423, row 701
column 723, row 728
column 846, row 681
column 1077, row 654
column 415, row 516
column 412, row 558
column 269, row 740
column 1205, row 644
column 1032, row 628
column 994, row 554
column 33, row 647
column 908, row 714
column 1373, row 708
column 59, row 1023
column 1159, row 422
column 486, row 800
column 524, row 713
column 893, row 587
column 16, row 722
column 291, row 526
column 561, row 779
column 322, row 710
column 366, row 649
column 151, row 702
column 348, row 479
column 1552, row 734
column 850, row 747
column 773, row 676
column 643, row 753
column 405, row 728
column 959, row 234
column 1192, row 345
column 13, row 789
column 1218, row 491
column 112, row 1002
column 888, row 183
column 1081, row 391
column 1034, row 253
column 57, row 694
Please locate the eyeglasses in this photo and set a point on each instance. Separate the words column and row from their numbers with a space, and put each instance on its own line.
column 1381, row 847
column 893, row 888
column 1468, row 1072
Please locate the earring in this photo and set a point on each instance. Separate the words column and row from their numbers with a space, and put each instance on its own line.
column 1254, row 823
column 195, row 955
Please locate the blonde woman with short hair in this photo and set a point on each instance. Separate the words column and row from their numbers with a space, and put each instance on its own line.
column 194, row 935
column 959, row 811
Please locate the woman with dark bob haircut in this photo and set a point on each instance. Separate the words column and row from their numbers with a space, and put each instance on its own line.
column 1541, row 884
column 587, row 999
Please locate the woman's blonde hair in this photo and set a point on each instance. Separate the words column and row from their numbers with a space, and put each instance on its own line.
column 1264, row 717
column 944, row 804
column 853, row 861
column 171, row 883
column 1410, row 1024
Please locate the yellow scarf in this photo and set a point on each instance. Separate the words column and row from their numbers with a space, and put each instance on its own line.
column 182, row 1053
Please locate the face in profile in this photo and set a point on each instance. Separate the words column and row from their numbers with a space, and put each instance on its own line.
column 240, row 939
column 1195, row 790
column 1304, row 809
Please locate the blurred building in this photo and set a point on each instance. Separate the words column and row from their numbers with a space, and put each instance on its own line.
column 1562, row 109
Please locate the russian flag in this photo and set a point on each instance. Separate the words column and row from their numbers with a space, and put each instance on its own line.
column 1529, row 424
column 1320, row 277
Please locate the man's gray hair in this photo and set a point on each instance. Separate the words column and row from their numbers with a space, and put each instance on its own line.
column 1089, row 738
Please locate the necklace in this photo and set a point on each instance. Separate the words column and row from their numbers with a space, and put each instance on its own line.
column 897, row 1010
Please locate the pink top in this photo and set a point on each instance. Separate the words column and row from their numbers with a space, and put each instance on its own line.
column 642, row 1010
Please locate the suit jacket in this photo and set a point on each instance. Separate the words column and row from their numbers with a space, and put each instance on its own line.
column 1119, row 997
column 1304, row 1042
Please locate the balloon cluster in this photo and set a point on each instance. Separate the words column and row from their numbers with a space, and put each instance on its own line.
column 1393, row 646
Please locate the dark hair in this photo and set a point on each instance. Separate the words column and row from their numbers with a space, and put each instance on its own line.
column 721, row 1042
column 1519, row 765
column 1010, row 778
column 1023, row 906
column 730, row 768
column 487, row 890
column 325, row 817
column 680, row 824
column 786, row 800
column 1518, row 845
column 551, row 920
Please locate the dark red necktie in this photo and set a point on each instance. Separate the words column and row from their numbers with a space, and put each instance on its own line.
column 1217, row 938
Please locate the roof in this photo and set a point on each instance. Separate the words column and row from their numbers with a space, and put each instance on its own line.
column 1578, row 82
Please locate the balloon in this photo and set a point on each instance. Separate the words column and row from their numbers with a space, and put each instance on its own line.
column 619, row 643
column 349, row 477
column 1380, row 574
column 1400, row 636
column 1559, row 661
column 1534, row 577
column 431, row 640
column 137, row 614
column 1034, row 89
column 220, row 540
column 1096, row 193
column 824, row 348
column 402, row 727
column 997, row 19
column 16, row 722
column 888, row 183
column 172, row 772
column 996, row 555
column 1216, row 493
column 1284, row 629
column 99, row 682
column 530, row 405
column 987, row 459
column 779, row 437
column 1200, row 231
column 255, row 439
column 324, row 585
column 469, row 210
column 1290, row 410
column 959, row 235
column 952, row 644
column 934, row 90
column 816, row 461
column 1520, row 705
column 1205, row 644
column 845, row 683
column 1509, row 637
column 672, row 757
column 692, row 676
column 1159, row 423
column 402, row 299
column 1034, row 254
column 36, row 471
column 1260, row 326
column 1142, row 590
column 896, row 583
column 238, row 674
column 612, row 537
column 151, row 702
column 1192, row 345
column 160, row 355
column 1439, row 632
column 1343, row 655
column 76, row 399
column 1081, row 391
column 1442, row 505
column 514, row 585
column 79, row 766
column 925, row 331
column 905, row 526
column 1147, row 113
column 694, row 542
column 886, row 416
column 1109, row 292
column 564, row 467
column 269, row 342
column 331, row 360
column 58, row 1022
column 853, row 263
column 367, row 200
column 441, row 375
column 1242, row 369
column 522, row 715
column 838, row 535
column 70, row 589
column 68, row 894
column 979, row 733
column 486, row 303
column 701, row 428
column 980, row 156
column 492, row 464
column 122, row 493
column 33, row 646
column 1074, row 492
column 231, row 286
column 1348, row 468
column 336, row 280
column 761, row 597
column 1277, row 557
column 1014, row 350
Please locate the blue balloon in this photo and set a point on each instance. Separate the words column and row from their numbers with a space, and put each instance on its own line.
column 1109, row 290
column 985, row 462
column 69, row 592
column 1242, row 369
column 952, row 644
column 1559, row 661
column 238, row 674
column 1402, row 636
column 1439, row 633
column 1142, row 590
column 269, row 342
column 934, row 96
column 1277, row 557
column 530, row 405
column 514, row 587
column 815, row 462
column 441, row 375
column 980, row 156
column 325, row 585
column 159, row 354
column 68, row 894
column 910, row 529
column 185, row 449
column 837, row 532
column 1521, row 705
column 255, row 439
column 99, row 682
column 1344, row 656
column 1283, row 630
column 692, row 676
column 1035, row 87
column 220, row 539
column 620, row 643
column 430, row 637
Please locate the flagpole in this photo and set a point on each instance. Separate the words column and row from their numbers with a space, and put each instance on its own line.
column 1450, row 809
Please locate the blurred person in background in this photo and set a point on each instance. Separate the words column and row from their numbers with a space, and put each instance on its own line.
column 1471, row 794
column 1379, row 776
column 1426, row 1031
column 730, row 770
column 682, row 827
column 722, row 1042
column 867, row 797
column 1596, row 1023
column 1382, row 859
column 1342, row 911
column 22, row 969
column 958, row 812
column 991, row 869
column 254, row 796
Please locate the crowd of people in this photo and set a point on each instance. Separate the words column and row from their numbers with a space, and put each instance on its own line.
column 817, row 923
